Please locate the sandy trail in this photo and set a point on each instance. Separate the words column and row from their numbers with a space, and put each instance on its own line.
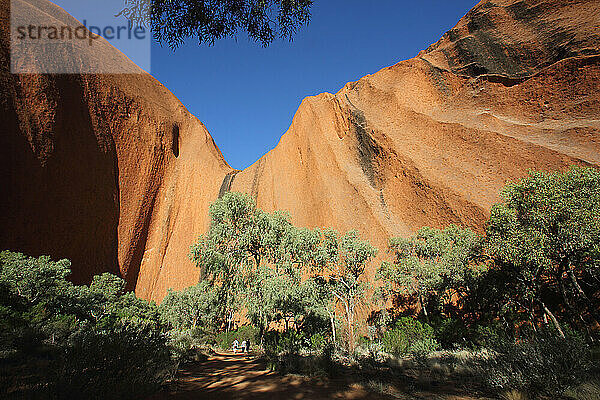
column 228, row 376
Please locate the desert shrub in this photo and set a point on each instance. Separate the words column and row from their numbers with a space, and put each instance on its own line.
column 450, row 332
column 369, row 350
column 318, row 342
column 586, row 391
column 454, row 333
column 113, row 359
column 409, row 336
column 295, row 352
column 60, row 340
column 248, row 333
column 180, row 342
column 224, row 340
column 546, row 364
column 318, row 363
column 289, row 342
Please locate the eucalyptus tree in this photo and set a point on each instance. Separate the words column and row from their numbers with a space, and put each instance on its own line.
column 232, row 248
column 192, row 307
column 545, row 235
column 435, row 264
column 278, row 297
column 174, row 21
column 261, row 262
column 323, row 300
column 345, row 258
column 243, row 252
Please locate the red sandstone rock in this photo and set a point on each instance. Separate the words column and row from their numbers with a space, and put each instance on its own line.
column 110, row 171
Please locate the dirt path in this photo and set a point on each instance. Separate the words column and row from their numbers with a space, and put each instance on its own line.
column 228, row 376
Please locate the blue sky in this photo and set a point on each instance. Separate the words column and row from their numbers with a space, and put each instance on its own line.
column 246, row 95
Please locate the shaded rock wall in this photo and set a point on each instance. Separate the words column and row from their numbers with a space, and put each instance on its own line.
column 110, row 171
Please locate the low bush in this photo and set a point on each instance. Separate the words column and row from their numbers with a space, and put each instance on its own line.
column 113, row 360
column 318, row 342
column 453, row 333
column 319, row 363
column 60, row 340
column 287, row 342
column 409, row 336
column 546, row 364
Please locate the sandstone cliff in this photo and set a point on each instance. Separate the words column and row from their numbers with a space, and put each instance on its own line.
column 114, row 173
column 432, row 140
column 110, row 171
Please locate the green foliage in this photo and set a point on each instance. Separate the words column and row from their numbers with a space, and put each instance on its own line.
column 537, row 267
column 256, row 260
column 191, row 307
column 276, row 297
column 409, row 336
column 318, row 342
column 240, row 239
column 35, row 280
column 544, row 239
column 346, row 261
column 434, row 265
column 113, row 359
column 454, row 332
column 66, row 340
column 174, row 21
column 288, row 342
column 549, row 219
column 544, row 364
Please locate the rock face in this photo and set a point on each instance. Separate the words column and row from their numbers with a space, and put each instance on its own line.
column 432, row 140
column 112, row 172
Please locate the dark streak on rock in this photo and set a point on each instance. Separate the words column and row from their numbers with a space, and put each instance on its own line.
column 227, row 181
column 257, row 174
column 438, row 78
column 384, row 204
column 367, row 151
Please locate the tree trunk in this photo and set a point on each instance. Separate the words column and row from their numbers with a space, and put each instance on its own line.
column 229, row 318
column 350, row 327
column 350, row 335
column 532, row 318
column 423, row 308
column 332, row 320
column 581, row 293
column 262, row 333
column 572, row 309
column 553, row 319
column 257, row 261
column 576, row 283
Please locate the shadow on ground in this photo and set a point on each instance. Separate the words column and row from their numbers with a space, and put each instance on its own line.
column 228, row 376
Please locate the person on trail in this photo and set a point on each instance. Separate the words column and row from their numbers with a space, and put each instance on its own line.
column 244, row 346
column 235, row 346
column 248, row 346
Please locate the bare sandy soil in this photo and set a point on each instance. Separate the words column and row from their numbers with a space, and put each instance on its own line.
column 228, row 376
